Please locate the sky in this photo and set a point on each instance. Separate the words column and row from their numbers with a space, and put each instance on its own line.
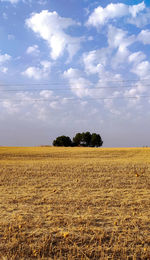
column 69, row 66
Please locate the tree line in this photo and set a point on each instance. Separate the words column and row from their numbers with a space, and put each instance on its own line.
column 85, row 139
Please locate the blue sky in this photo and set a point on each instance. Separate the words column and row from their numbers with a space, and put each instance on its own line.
column 69, row 66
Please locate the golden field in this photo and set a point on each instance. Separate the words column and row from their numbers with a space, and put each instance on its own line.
column 74, row 203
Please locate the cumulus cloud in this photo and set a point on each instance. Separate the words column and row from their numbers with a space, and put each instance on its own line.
column 116, row 53
column 142, row 69
column 144, row 36
column 95, row 60
column 119, row 39
column 39, row 72
column 52, row 28
column 136, row 57
column 134, row 94
column 98, row 91
column 3, row 59
column 34, row 50
column 78, row 84
column 135, row 9
column 101, row 16
column 141, row 19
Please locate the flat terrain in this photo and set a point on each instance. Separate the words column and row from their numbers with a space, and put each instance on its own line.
column 74, row 203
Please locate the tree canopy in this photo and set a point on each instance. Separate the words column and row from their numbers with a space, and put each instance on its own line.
column 62, row 141
column 80, row 139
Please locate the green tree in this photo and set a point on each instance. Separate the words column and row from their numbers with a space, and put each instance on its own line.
column 62, row 141
column 81, row 139
column 77, row 139
column 86, row 138
column 96, row 140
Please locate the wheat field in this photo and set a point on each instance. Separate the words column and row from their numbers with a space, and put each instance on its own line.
column 74, row 203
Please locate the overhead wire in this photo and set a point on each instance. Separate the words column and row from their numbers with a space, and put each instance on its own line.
column 70, row 88
column 120, row 87
column 79, row 99
column 50, row 84
column 58, row 83
column 67, row 89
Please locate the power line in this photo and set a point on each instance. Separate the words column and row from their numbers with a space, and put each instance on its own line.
column 79, row 99
column 61, row 84
column 58, row 83
column 68, row 89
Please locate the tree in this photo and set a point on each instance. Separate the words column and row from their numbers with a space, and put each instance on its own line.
column 96, row 140
column 86, row 138
column 77, row 139
column 80, row 139
column 62, row 141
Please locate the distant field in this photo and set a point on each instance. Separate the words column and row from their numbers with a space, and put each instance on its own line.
column 74, row 203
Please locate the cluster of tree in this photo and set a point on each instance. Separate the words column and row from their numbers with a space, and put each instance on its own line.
column 81, row 139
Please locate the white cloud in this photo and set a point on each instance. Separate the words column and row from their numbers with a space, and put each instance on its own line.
column 118, row 38
column 82, row 87
column 141, row 19
column 78, row 84
column 109, row 104
column 39, row 72
column 142, row 70
column 95, row 60
column 34, row 50
column 144, row 36
column 135, row 9
column 101, row 15
column 136, row 57
column 10, row 107
column 42, row 2
column 51, row 27
column 134, row 94
column 4, row 58
column 11, row 1
column 46, row 93
column 54, row 104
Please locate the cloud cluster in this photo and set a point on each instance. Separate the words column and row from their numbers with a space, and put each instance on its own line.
column 100, row 68
column 52, row 28
column 40, row 72
column 100, row 16
column 78, row 84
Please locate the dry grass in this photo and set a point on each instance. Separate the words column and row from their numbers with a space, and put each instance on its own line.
column 74, row 203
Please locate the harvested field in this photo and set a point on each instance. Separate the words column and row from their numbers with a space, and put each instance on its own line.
column 74, row 203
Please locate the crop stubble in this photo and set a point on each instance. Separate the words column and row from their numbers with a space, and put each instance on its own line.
column 74, row 203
